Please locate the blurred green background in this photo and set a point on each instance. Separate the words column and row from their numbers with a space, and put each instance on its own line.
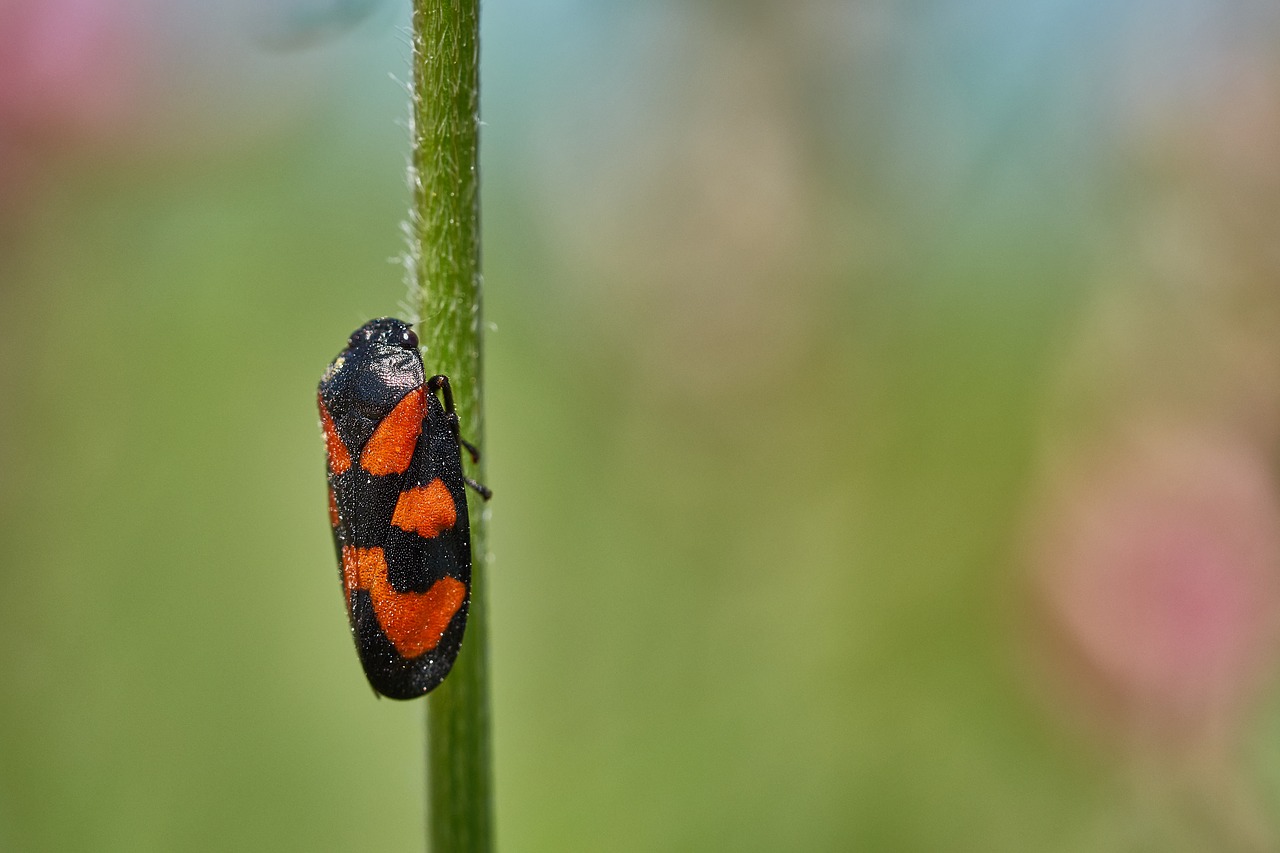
column 790, row 303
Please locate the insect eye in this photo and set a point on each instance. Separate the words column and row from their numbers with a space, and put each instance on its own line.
column 409, row 339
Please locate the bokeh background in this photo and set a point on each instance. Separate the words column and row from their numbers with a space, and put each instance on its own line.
column 884, row 414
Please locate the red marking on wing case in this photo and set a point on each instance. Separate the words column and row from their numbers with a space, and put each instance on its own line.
column 425, row 510
column 414, row 622
column 350, row 574
column 339, row 456
column 391, row 446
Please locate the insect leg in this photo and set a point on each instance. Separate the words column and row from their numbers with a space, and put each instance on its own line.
column 480, row 489
column 440, row 382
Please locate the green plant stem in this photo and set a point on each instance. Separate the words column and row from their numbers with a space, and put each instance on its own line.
column 445, row 253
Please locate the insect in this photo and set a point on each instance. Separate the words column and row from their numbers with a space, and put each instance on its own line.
column 398, row 507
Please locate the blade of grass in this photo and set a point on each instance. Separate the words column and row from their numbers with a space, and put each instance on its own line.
column 445, row 284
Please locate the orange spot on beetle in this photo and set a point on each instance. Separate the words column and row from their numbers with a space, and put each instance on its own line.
column 334, row 519
column 350, row 573
column 339, row 456
column 414, row 622
column 426, row 510
column 390, row 448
